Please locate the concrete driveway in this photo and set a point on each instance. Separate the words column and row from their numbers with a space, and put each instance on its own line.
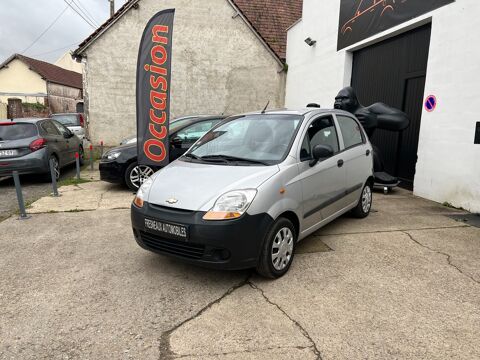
column 403, row 284
column 33, row 188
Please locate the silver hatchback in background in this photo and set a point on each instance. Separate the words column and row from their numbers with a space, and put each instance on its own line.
column 252, row 187
column 75, row 122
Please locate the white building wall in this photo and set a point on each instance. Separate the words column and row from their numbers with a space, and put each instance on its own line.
column 66, row 62
column 448, row 167
column 219, row 66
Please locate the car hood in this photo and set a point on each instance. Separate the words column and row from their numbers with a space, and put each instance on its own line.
column 123, row 147
column 197, row 186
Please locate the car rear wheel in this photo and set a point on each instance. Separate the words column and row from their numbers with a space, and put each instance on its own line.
column 364, row 203
column 81, row 155
column 136, row 174
column 53, row 161
column 278, row 249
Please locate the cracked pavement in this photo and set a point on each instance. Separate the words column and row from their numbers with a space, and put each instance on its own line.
column 403, row 283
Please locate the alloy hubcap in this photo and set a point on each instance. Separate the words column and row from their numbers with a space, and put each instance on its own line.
column 366, row 199
column 56, row 170
column 140, row 174
column 282, row 249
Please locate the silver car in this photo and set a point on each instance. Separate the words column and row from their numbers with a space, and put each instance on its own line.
column 251, row 188
column 73, row 121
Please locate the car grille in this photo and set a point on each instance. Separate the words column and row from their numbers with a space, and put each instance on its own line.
column 174, row 247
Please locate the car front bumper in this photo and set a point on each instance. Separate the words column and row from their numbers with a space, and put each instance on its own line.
column 112, row 172
column 228, row 245
column 33, row 163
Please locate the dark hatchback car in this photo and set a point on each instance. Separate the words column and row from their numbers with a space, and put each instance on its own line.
column 28, row 145
column 119, row 165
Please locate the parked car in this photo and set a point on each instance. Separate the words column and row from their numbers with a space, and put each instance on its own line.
column 252, row 187
column 73, row 121
column 178, row 121
column 120, row 166
column 28, row 145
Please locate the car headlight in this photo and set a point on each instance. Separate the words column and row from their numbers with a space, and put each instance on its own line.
column 112, row 155
column 231, row 205
column 143, row 192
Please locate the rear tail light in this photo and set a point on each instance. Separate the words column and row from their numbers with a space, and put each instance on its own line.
column 82, row 122
column 38, row 144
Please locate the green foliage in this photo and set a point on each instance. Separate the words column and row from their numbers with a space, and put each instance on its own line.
column 34, row 106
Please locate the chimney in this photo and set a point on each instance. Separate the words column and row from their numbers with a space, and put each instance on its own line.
column 112, row 7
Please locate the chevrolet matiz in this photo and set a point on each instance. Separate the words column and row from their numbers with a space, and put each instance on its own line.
column 252, row 187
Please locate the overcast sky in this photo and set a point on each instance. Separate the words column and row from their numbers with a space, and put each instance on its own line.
column 23, row 21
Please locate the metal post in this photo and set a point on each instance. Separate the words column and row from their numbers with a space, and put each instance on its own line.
column 21, row 204
column 91, row 157
column 54, row 179
column 77, row 161
column 101, row 149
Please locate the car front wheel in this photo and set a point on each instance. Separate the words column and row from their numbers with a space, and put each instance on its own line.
column 135, row 175
column 278, row 249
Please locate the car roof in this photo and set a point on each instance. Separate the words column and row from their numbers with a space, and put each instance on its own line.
column 301, row 111
column 23, row 120
column 65, row 114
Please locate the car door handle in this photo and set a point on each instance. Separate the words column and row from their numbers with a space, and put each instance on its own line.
column 368, row 153
column 340, row 163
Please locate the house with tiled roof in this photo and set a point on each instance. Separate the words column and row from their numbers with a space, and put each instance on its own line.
column 228, row 57
column 38, row 82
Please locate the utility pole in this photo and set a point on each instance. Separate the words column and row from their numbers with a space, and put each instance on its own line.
column 112, row 7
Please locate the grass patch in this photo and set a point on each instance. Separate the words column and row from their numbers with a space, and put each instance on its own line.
column 448, row 205
column 72, row 181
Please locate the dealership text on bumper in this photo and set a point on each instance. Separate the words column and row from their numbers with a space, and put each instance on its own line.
column 166, row 228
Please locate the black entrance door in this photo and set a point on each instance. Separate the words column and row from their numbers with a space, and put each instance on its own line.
column 393, row 72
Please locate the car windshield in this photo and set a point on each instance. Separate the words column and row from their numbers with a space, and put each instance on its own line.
column 67, row 120
column 17, row 131
column 256, row 139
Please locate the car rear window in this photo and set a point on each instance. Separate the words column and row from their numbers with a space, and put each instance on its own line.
column 16, row 131
column 67, row 120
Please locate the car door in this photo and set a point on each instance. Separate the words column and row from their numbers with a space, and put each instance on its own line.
column 357, row 157
column 323, row 184
column 55, row 141
column 71, row 146
column 183, row 139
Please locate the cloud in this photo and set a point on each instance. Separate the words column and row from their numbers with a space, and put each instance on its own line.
column 23, row 21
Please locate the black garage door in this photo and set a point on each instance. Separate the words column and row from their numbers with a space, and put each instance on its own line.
column 393, row 72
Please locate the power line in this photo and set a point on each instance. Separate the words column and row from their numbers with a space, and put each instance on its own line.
column 55, row 50
column 48, row 28
column 85, row 12
column 87, row 21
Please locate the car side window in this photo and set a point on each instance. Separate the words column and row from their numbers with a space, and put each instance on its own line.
column 63, row 130
column 320, row 132
column 351, row 132
column 196, row 131
column 49, row 128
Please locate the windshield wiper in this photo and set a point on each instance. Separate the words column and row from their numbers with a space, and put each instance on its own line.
column 230, row 158
column 192, row 156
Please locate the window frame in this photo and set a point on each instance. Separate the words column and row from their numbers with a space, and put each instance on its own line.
column 362, row 132
column 45, row 131
column 305, row 134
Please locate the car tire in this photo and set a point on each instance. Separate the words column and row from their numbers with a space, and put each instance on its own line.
column 362, row 210
column 278, row 249
column 48, row 176
column 81, row 155
column 136, row 174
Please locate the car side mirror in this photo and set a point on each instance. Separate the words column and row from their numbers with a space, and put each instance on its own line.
column 67, row 135
column 321, row 152
column 176, row 141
